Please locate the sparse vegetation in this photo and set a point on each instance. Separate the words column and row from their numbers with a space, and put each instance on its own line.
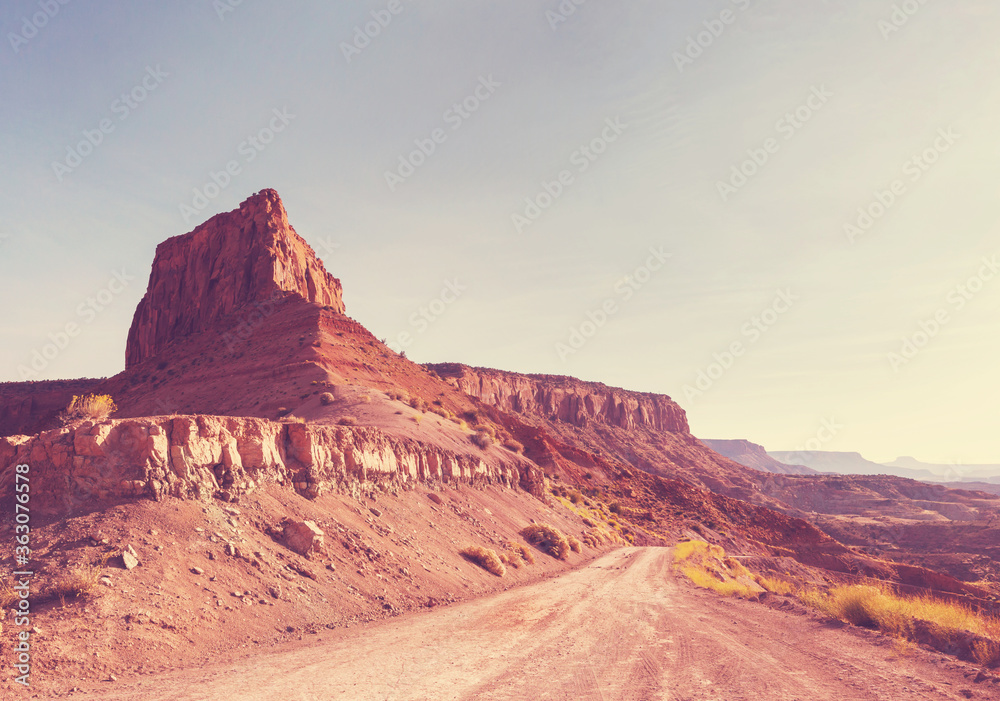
column 513, row 446
column 548, row 539
column 347, row 421
column 708, row 567
column 326, row 399
column 515, row 554
column 918, row 619
column 482, row 439
column 78, row 582
column 485, row 558
column 96, row 407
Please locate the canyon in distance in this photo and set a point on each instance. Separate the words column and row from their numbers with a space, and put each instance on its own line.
column 279, row 504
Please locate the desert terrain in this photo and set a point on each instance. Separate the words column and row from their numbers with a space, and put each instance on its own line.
column 268, row 498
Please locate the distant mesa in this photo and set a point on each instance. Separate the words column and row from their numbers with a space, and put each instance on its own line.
column 755, row 456
column 251, row 255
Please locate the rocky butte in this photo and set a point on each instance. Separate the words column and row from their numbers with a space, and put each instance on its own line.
column 249, row 256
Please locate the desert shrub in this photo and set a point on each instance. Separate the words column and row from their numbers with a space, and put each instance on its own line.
column 776, row 586
column 77, row 582
column 292, row 419
column 513, row 446
column 576, row 497
column 548, row 539
column 90, row 406
column 443, row 413
column 326, row 399
column 574, row 544
column 416, row 419
column 707, row 567
column 485, row 428
column 347, row 421
column 483, row 440
column 589, row 523
column 615, row 507
column 418, row 404
column 518, row 553
column 485, row 558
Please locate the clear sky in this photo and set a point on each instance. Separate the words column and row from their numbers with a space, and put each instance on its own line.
column 735, row 139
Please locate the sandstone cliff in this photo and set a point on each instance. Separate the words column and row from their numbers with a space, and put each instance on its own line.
column 245, row 257
column 76, row 468
column 566, row 399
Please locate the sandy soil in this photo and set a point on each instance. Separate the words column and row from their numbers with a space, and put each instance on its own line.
column 623, row 627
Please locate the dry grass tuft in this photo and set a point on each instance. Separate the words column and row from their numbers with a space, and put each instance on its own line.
column 708, row 567
column 513, row 446
column 347, row 421
column 485, row 558
column 776, row 586
column 81, row 581
column 547, row 538
column 482, row 439
column 90, row 406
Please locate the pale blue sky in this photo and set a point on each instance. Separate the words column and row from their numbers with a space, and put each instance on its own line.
column 213, row 81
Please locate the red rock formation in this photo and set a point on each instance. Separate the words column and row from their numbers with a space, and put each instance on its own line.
column 244, row 257
column 76, row 468
column 567, row 399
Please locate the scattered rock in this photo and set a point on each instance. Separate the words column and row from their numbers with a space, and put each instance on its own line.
column 304, row 537
column 197, row 570
column 106, row 581
column 375, row 511
column 129, row 559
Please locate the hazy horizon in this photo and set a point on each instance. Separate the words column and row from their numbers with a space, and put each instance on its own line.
column 578, row 174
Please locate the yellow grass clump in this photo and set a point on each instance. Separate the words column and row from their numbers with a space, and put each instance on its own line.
column 547, row 538
column 485, row 558
column 708, row 567
column 91, row 406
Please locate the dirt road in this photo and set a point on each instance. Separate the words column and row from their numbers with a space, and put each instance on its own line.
column 621, row 628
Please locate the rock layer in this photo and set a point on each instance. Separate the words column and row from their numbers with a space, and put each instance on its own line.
column 250, row 256
column 566, row 399
column 204, row 457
